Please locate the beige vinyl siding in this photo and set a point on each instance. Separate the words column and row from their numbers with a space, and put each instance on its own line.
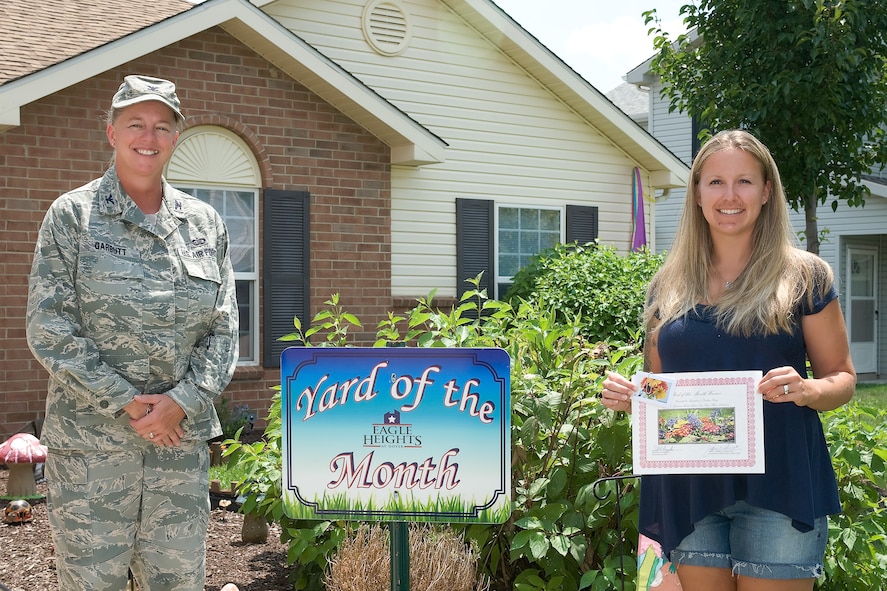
column 847, row 223
column 675, row 131
column 510, row 139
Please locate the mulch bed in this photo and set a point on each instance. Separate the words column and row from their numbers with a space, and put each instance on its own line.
column 28, row 563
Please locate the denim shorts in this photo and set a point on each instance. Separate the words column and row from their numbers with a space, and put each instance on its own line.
column 754, row 542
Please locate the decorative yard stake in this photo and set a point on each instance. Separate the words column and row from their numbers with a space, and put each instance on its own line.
column 617, row 480
column 654, row 570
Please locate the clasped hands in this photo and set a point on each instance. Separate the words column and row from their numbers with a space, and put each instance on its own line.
column 157, row 418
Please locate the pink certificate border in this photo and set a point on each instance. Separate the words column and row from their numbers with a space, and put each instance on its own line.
column 713, row 466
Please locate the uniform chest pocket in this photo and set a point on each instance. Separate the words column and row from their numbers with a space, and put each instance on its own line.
column 103, row 274
column 200, row 290
column 108, row 288
column 203, row 269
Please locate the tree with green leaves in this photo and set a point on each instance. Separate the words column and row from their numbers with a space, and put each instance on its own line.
column 807, row 77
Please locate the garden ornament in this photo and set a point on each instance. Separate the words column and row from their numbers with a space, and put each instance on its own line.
column 20, row 452
column 18, row 511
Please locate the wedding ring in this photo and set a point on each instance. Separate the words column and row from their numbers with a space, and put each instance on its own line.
column 151, row 435
column 785, row 390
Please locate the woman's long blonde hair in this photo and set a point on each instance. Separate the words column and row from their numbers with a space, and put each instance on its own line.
column 765, row 296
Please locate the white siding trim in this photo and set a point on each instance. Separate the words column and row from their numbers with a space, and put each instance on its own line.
column 510, row 139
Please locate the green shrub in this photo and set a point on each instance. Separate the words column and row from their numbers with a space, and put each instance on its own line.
column 563, row 440
column 856, row 556
column 604, row 289
column 561, row 535
column 227, row 473
column 311, row 543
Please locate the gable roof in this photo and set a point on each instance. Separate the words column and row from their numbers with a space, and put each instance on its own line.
column 411, row 143
column 65, row 59
column 35, row 35
column 666, row 169
column 633, row 99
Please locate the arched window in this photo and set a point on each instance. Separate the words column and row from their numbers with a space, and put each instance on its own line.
column 216, row 166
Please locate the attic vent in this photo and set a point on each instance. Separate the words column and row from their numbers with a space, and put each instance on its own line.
column 386, row 27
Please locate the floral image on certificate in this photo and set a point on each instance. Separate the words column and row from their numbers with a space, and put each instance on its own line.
column 712, row 423
column 697, row 425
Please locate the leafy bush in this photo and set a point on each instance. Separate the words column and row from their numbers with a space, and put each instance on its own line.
column 856, row 556
column 604, row 289
column 561, row 534
column 227, row 473
column 311, row 544
column 563, row 440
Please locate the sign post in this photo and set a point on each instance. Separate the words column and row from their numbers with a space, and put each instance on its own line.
column 399, row 544
column 400, row 555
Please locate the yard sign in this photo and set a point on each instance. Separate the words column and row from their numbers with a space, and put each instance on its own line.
column 396, row 434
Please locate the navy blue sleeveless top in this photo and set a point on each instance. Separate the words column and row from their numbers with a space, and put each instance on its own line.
column 799, row 480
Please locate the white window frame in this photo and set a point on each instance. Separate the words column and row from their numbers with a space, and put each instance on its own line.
column 502, row 279
column 250, row 356
column 209, row 157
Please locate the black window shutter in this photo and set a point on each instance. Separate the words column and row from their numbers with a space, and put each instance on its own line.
column 582, row 224
column 474, row 243
column 285, row 269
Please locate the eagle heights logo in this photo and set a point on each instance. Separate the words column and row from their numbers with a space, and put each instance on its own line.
column 392, row 433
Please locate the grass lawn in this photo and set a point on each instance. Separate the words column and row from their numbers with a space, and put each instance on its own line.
column 874, row 395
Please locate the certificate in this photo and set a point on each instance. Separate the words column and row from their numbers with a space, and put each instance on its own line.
column 712, row 423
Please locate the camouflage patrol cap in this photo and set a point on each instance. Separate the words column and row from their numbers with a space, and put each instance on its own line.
column 136, row 89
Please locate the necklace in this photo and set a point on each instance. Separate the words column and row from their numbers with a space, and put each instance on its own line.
column 727, row 284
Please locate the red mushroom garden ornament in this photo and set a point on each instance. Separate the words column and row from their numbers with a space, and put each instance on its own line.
column 20, row 452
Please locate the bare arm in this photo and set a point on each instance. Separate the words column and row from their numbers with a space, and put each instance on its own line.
column 834, row 379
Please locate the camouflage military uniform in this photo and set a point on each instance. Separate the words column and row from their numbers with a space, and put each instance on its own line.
column 119, row 305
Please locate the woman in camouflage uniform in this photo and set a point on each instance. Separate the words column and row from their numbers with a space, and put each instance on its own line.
column 132, row 311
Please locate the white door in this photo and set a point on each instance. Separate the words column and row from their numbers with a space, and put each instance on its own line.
column 862, row 311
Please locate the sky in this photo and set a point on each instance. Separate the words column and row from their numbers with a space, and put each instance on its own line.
column 600, row 39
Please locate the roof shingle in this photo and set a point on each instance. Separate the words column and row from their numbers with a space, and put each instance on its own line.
column 36, row 34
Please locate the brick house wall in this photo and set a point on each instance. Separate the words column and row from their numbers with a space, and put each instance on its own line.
column 300, row 142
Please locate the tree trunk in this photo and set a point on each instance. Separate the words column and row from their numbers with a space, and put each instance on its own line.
column 811, row 230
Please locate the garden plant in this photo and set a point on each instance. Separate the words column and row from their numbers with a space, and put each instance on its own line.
column 441, row 561
column 561, row 535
